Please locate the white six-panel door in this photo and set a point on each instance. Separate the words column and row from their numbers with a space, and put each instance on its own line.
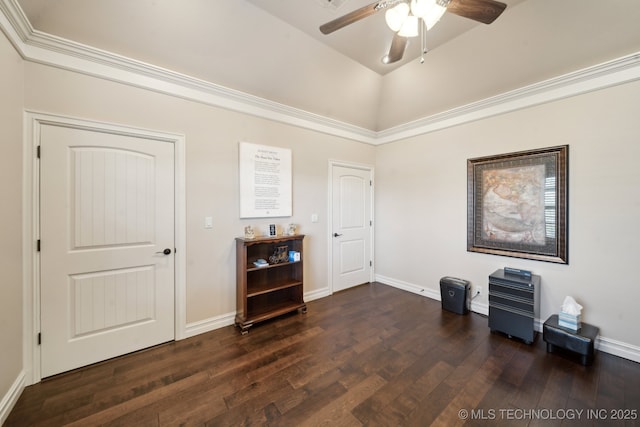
column 351, row 226
column 106, row 218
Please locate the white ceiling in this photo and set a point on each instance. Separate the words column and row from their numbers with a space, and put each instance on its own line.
column 273, row 49
column 367, row 40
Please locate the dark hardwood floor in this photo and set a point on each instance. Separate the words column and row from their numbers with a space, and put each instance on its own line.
column 371, row 355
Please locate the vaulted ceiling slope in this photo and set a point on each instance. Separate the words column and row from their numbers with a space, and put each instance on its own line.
column 239, row 44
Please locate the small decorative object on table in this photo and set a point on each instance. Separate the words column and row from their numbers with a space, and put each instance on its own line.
column 272, row 230
column 260, row 263
column 280, row 255
column 294, row 256
column 291, row 230
column 248, row 232
column 569, row 316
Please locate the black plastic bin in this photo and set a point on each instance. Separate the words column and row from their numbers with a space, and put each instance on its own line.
column 454, row 294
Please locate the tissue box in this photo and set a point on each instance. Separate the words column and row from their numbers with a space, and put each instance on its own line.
column 569, row 321
column 294, row 256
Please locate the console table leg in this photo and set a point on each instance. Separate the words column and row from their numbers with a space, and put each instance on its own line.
column 244, row 327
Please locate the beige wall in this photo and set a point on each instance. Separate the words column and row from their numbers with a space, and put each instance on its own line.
column 11, row 85
column 273, row 60
column 212, row 137
column 421, row 205
column 528, row 46
column 420, row 193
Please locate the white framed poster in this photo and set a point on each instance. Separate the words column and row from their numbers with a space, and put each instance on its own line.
column 265, row 181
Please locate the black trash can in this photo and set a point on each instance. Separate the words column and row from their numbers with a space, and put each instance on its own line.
column 454, row 294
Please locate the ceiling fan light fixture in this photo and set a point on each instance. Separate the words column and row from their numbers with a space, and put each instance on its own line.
column 433, row 15
column 403, row 18
column 409, row 27
column 396, row 16
column 420, row 8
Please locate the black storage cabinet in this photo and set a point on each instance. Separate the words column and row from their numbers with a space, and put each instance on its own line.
column 454, row 294
column 514, row 304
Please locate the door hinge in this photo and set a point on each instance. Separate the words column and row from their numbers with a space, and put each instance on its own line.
column 38, row 152
column 370, row 183
column 39, row 338
column 370, row 223
column 370, row 263
column 38, row 245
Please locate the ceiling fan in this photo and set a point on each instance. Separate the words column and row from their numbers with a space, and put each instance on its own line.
column 403, row 17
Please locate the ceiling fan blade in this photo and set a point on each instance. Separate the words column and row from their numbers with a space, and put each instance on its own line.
column 352, row 17
column 485, row 11
column 396, row 50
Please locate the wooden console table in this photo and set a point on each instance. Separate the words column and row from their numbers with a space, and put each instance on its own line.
column 264, row 292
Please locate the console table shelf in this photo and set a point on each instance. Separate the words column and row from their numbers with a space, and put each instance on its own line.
column 270, row 287
column 268, row 291
column 251, row 267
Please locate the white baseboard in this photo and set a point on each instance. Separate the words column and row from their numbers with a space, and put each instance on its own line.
column 409, row 287
column 618, row 348
column 217, row 322
column 476, row 307
column 604, row 344
column 11, row 398
column 480, row 308
column 317, row 294
column 210, row 324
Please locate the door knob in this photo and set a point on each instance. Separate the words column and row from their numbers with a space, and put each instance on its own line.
column 166, row 252
column 336, row 235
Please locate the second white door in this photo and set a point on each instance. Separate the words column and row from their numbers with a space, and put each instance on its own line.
column 107, row 233
column 352, row 224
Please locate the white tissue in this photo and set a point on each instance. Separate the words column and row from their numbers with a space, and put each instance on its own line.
column 570, row 306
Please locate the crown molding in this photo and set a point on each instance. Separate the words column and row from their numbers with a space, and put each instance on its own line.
column 601, row 76
column 39, row 47
column 43, row 48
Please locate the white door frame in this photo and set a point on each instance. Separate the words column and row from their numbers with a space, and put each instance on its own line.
column 33, row 122
column 369, row 168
